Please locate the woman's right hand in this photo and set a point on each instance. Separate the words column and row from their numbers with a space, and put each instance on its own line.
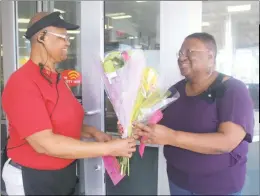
column 120, row 131
column 122, row 147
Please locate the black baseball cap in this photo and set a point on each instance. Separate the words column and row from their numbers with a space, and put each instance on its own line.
column 54, row 19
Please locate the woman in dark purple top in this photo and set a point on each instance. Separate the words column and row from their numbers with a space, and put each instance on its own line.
column 207, row 130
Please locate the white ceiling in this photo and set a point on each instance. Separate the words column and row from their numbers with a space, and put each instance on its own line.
column 245, row 24
column 144, row 15
column 145, row 18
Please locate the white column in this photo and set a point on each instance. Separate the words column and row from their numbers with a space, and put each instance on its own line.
column 229, row 52
column 178, row 19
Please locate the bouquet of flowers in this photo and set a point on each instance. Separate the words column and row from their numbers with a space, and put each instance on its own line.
column 135, row 94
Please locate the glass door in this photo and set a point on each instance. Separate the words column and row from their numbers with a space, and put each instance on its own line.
column 71, row 68
column 242, row 39
column 129, row 25
column 1, row 71
column 15, row 47
column 2, row 127
column 25, row 10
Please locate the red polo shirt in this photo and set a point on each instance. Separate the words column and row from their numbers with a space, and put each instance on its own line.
column 28, row 101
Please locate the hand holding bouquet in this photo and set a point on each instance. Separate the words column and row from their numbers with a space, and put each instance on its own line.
column 134, row 92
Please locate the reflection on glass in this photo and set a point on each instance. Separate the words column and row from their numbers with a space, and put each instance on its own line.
column 244, row 65
column 71, row 68
column 127, row 25
column 1, row 68
column 26, row 9
column 3, row 135
column 1, row 83
column 237, row 36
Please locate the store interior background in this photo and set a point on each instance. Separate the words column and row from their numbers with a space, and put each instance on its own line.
column 136, row 24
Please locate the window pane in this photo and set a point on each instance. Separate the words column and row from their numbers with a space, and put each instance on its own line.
column 1, row 65
column 3, row 129
column 26, row 9
column 129, row 24
column 237, row 36
column 71, row 68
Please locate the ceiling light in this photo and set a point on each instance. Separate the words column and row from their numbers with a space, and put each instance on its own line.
column 239, row 8
column 72, row 38
column 121, row 17
column 58, row 10
column 73, row 32
column 22, row 30
column 109, row 27
column 140, row 1
column 23, row 20
column 205, row 24
column 115, row 14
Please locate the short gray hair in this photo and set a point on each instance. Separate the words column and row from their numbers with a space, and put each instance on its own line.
column 207, row 39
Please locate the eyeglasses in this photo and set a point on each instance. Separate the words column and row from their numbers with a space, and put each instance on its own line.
column 65, row 37
column 188, row 53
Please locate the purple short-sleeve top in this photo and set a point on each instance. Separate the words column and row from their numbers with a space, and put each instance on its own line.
column 209, row 174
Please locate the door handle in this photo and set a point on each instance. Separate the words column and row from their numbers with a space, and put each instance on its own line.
column 92, row 112
column 97, row 167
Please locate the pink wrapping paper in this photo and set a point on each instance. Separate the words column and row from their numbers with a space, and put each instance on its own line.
column 113, row 169
column 156, row 117
column 111, row 164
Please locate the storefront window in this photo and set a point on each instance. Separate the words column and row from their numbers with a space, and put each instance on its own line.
column 1, row 66
column 1, row 73
column 26, row 9
column 71, row 68
column 131, row 24
column 235, row 27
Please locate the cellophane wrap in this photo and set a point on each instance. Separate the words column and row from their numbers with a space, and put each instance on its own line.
column 134, row 91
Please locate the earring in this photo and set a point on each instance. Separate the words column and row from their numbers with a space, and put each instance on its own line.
column 210, row 69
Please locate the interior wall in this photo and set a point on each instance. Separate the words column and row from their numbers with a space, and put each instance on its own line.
column 178, row 19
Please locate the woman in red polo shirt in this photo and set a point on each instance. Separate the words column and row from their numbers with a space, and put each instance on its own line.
column 46, row 120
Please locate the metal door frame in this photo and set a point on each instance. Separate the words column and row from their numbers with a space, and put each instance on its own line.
column 9, row 38
column 1, row 63
column 92, row 171
column 92, row 48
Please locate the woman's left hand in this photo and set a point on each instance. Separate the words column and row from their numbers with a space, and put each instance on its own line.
column 155, row 134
